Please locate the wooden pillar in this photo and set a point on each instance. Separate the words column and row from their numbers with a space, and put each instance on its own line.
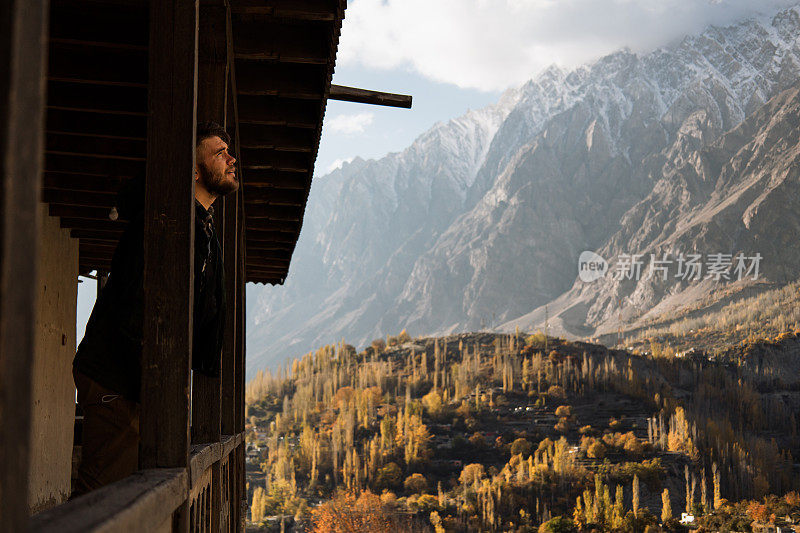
column 23, row 48
column 169, row 235
column 231, row 250
column 240, row 359
column 211, row 105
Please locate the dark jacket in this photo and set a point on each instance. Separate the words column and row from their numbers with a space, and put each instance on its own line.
column 111, row 350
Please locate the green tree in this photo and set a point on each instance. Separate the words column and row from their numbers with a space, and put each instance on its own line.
column 558, row 524
column 666, row 506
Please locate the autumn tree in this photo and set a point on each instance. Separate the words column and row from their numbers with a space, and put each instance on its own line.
column 416, row 483
column 348, row 514
column 666, row 506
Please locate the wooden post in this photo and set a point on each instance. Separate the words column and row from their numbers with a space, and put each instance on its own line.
column 240, row 358
column 169, row 235
column 211, row 105
column 23, row 38
column 230, row 250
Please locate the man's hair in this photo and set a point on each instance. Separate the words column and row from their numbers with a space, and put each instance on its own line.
column 211, row 129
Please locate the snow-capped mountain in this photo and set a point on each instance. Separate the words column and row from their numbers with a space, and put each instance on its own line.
column 482, row 218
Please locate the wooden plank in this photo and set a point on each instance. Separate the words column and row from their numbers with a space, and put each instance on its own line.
column 140, row 502
column 364, row 96
column 278, row 179
column 266, row 39
column 273, row 212
column 83, row 182
column 91, row 164
column 87, row 215
column 81, row 198
column 169, row 236
column 272, row 196
column 282, row 138
column 279, row 79
column 318, row 10
column 98, row 99
column 95, row 124
column 23, row 30
column 256, row 237
column 258, row 226
column 271, row 110
column 97, row 65
column 112, row 22
column 268, row 159
column 211, row 105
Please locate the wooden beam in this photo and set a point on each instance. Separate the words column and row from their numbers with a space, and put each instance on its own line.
column 142, row 502
column 231, row 258
column 169, row 237
column 363, row 96
column 23, row 30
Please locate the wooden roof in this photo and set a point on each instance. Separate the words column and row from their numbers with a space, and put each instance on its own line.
column 96, row 120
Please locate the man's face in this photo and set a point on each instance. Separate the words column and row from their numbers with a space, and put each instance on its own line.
column 215, row 167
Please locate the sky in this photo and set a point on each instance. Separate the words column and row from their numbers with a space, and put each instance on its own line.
column 456, row 55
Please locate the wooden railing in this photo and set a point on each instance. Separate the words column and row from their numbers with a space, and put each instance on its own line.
column 206, row 497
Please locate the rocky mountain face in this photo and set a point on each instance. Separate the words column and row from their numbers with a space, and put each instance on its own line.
column 484, row 217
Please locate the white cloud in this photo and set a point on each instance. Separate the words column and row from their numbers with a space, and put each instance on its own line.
column 339, row 163
column 495, row 44
column 350, row 124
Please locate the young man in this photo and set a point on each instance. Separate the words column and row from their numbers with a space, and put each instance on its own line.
column 107, row 366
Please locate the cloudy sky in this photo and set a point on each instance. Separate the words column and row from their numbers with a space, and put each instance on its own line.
column 452, row 55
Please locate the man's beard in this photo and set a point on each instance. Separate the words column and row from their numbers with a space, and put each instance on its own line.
column 216, row 182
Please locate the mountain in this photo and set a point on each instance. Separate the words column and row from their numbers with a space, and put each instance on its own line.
column 482, row 218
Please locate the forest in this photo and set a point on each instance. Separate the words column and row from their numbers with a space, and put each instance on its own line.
column 522, row 432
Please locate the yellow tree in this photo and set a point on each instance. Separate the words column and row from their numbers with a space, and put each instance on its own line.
column 666, row 507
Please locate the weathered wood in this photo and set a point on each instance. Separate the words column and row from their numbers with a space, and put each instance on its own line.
column 80, row 163
column 23, row 30
column 141, row 502
column 364, row 96
column 282, row 138
column 169, row 235
column 82, row 182
column 211, row 105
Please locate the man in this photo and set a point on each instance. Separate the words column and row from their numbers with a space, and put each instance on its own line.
column 107, row 366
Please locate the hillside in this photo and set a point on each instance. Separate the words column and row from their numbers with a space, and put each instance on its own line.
column 488, row 432
column 482, row 219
